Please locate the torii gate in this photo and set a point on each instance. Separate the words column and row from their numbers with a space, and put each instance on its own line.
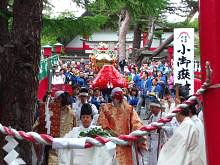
column 209, row 43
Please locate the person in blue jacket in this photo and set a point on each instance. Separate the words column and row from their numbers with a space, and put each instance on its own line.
column 97, row 98
column 133, row 97
column 145, row 83
column 81, row 80
column 162, row 81
column 154, row 90
column 70, row 77
column 135, row 77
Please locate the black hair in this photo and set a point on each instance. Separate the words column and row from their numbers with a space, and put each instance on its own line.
column 83, row 90
column 183, row 90
column 133, row 68
column 134, row 89
column 86, row 109
column 97, row 89
column 193, row 110
column 44, row 98
column 185, row 112
column 76, row 86
column 65, row 99
column 146, row 73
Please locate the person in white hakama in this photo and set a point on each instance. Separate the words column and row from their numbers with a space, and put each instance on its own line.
column 183, row 147
column 89, row 156
column 199, row 125
column 157, row 138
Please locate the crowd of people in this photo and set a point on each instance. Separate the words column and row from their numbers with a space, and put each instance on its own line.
column 150, row 92
column 145, row 82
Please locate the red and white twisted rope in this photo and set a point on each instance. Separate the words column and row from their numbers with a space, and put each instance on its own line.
column 121, row 140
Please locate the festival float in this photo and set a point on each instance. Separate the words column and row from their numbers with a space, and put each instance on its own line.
column 102, row 56
column 109, row 77
column 104, row 61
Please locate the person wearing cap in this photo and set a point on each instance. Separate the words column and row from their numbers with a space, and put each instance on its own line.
column 90, row 156
column 183, row 147
column 157, row 138
column 193, row 113
column 83, row 98
column 57, row 78
column 121, row 119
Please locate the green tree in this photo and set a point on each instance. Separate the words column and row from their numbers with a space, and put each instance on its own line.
column 66, row 26
column 128, row 11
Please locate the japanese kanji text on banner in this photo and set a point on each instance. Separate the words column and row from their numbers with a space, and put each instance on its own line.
column 184, row 57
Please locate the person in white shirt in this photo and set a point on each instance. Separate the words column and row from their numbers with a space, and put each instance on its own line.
column 82, row 99
column 58, row 78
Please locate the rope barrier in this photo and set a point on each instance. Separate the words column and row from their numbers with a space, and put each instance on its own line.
column 123, row 139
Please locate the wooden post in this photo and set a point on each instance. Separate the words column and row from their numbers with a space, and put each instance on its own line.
column 177, row 92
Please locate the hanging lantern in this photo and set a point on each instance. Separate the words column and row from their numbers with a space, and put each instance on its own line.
column 58, row 48
column 47, row 50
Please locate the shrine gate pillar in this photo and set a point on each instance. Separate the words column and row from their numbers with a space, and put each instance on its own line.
column 210, row 51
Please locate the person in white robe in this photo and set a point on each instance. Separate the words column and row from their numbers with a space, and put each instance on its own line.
column 83, row 98
column 183, row 147
column 199, row 125
column 200, row 116
column 157, row 138
column 90, row 156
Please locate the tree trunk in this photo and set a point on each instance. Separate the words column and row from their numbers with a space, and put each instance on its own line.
column 20, row 59
column 124, row 21
column 136, row 41
column 137, row 52
column 151, row 30
column 137, row 36
column 3, row 22
column 194, row 6
column 162, row 46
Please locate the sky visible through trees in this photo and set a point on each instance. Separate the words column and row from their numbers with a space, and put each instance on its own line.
column 67, row 5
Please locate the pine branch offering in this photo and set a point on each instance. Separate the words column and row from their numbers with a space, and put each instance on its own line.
column 95, row 132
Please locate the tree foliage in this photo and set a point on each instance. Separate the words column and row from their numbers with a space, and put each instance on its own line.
column 184, row 24
column 67, row 26
column 138, row 9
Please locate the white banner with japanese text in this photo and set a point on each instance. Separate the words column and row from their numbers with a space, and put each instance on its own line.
column 184, row 57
